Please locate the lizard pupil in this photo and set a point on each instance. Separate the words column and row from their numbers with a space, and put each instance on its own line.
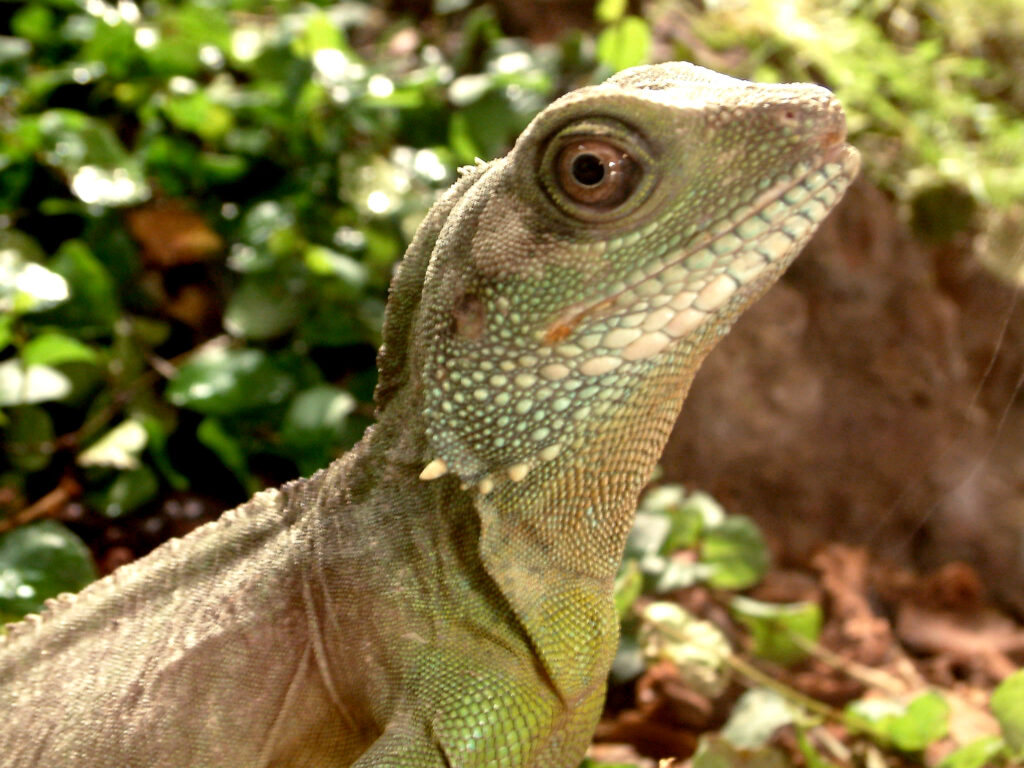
column 596, row 173
column 588, row 169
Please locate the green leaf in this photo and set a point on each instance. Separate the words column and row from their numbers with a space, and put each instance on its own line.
column 698, row 648
column 610, row 11
column 978, row 754
column 324, row 261
column 755, row 718
column 127, row 492
column 28, row 438
column 317, row 414
column 34, row 22
column 689, row 520
column 624, row 44
column 22, row 385
column 94, row 304
column 119, row 448
column 218, row 382
column 196, row 113
column 629, row 585
column 1008, row 707
column 214, row 436
column 773, row 627
column 54, row 348
column 648, row 534
column 98, row 168
column 735, row 552
column 909, row 728
column 38, row 561
column 26, row 285
column 716, row 752
column 262, row 307
column 157, row 444
column 926, row 721
column 314, row 424
column 320, row 33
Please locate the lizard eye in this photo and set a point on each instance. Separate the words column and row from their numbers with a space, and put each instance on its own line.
column 596, row 173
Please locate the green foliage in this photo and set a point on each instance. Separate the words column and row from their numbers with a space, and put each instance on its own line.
column 679, row 540
column 717, row 752
column 908, row 728
column 200, row 207
column 40, row 561
column 776, row 630
column 1008, row 707
column 931, row 88
column 668, row 549
column 698, row 649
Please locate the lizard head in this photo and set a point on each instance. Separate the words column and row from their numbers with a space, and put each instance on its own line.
column 579, row 281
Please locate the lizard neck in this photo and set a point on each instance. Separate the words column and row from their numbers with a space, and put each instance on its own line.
column 552, row 541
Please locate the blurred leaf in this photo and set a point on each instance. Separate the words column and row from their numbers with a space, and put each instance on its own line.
column 197, row 114
column 735, row 552
column 21, row 385
column 38, row 561
column 13, row 49
column 156, row 442
column 172, row 235
column 629, row 662
column 755, row 718
column 54, row 348
column 6, row 330
column 909, row 728
column 688, row 520
column 610, row 11
column 926, row 721
column 648, row 534
column 34, row 22
column 28, row 438
column 773, row 627
column 262, row 307
column 716, row 752
column 978, row 754
column 223, row 444
column 627, row 43
column 118, row 448
column 94, row 305
column 698, row 648
column 128, row 491
column 25, row 285
column 628, row 586
column 317, row 414
column 320, row 34
column 218, row 382
column 314, row 424
column 324, row 261
column 98, row 168
column 1008, row 706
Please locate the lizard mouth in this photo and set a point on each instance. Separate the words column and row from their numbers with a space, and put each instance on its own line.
column 731, row 257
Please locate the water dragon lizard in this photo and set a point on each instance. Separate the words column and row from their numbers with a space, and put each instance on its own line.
column 442, row 594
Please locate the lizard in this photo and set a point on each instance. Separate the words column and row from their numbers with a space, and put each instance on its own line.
column 441, row 595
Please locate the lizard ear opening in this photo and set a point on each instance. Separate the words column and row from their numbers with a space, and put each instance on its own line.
column 596, row 170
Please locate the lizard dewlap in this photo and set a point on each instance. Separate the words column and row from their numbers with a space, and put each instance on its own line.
column 442, row 594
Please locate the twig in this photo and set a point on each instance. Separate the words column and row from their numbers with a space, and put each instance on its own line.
column 48, row 506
